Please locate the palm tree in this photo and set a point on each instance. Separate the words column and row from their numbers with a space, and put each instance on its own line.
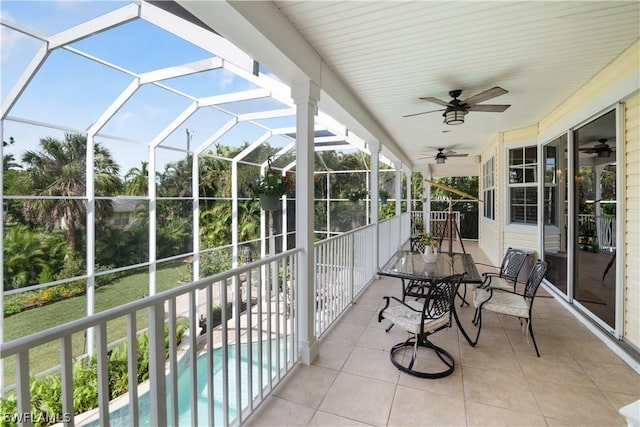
column 136, row 181
column 58, row 170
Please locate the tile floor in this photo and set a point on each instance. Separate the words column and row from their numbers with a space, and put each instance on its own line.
column 577, row 381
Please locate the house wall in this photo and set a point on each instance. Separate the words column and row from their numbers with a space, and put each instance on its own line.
column 631, row 267
column 489, row 231
column 618, row 82
column 516, row 236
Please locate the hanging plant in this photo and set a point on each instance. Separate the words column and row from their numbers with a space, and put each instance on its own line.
column 354, row 195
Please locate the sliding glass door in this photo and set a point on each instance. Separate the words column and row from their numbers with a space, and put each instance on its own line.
column 594, row 284
column 590, row 279
column 555, row 205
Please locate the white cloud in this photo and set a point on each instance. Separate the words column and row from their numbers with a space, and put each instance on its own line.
column 228, row 78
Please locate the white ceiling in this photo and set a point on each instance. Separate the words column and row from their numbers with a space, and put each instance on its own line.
column 377, row 59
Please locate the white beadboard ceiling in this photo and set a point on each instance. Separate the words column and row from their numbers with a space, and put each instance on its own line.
column 388, row 54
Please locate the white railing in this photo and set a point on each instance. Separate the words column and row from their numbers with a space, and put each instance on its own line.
column 256, row 350
column 438, row 220
column 344, row 265
column 604, row 228
column 389, row 238
column 257, row 345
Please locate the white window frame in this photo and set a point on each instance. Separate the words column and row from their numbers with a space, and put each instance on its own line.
column 531, row 185
column 489, row 189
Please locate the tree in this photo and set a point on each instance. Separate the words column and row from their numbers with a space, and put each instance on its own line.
column 58, row 170
column 136, row 181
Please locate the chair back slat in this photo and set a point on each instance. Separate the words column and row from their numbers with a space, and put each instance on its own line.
column 512, row 263
column 441, row 296
column 534, row 280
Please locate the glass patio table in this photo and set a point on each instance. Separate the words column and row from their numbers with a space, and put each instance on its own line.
column 416, row 274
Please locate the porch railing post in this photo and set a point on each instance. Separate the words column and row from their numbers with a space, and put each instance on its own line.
column 157, row 389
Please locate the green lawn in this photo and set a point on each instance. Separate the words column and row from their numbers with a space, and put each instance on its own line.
column 122, row 291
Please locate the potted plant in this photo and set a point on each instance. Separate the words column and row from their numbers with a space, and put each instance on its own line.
column 271, row 187
column 354, row 195
column 426, row 244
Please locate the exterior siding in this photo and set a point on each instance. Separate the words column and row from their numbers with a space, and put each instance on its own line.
column 632, row 222
column 489, row 232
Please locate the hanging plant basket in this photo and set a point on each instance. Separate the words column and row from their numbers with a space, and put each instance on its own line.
column 269, row 202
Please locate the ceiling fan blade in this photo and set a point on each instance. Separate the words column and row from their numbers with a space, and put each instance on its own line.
column 424, row 112
column 492, row 108
column 435, row 101
column 456, row 155
column 487, row 94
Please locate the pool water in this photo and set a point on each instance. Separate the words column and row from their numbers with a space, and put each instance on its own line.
column 120, row 416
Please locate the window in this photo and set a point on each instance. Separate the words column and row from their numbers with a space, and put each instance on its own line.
column 523, row 192
column 489, row 188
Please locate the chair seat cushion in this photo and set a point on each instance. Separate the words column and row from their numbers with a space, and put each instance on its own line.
column 409, row 320
column 502, row 302
column 500, row 283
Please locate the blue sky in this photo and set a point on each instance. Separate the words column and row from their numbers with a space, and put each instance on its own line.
column 72, row 91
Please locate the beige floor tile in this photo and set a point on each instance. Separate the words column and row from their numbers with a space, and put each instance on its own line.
column 413, row 407
column 592, row 350
column 578, row 405
column 370, row 363
column 504, row 388
column 356, row 316
column 479, row 414
column 549, row 345
column 333, row 354
column 378, row 339
column 368, row 303
column 306, row 385
column 613, row 377
column 557, row 370
column 482, row 356
column 325, row 419
column 345, row 333
column 619, row 400
column 361, row 399
column 450, row 385
column 280, row 412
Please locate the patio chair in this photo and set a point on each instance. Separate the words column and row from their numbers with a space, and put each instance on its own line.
column 507, row 275
column 422, row 318
column 510, row 303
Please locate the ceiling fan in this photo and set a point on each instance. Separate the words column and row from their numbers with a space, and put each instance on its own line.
column 441, row 156
column 456, row 109
column 602, row 149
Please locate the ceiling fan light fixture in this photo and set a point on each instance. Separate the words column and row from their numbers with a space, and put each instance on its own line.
column 440, row 160
column 604, row 153
column 454, row 116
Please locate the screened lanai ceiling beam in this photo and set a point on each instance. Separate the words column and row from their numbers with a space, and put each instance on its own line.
column 24, row 79
column 270, row 114
column 227, row 98
column 216, row 136
column 114, row 107
column 96, row 25
column 255, row 144
column 279, row 90
column 181, row 70
column 181, row 118
column 204, row 39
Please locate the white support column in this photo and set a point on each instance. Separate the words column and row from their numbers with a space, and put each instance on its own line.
column 398, row 187
column 426, row 206
column 374, row 147
column 305, row 95
column 91, row 237
column 408, row 175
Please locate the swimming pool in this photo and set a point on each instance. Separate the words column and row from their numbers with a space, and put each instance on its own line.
column 120, row 417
